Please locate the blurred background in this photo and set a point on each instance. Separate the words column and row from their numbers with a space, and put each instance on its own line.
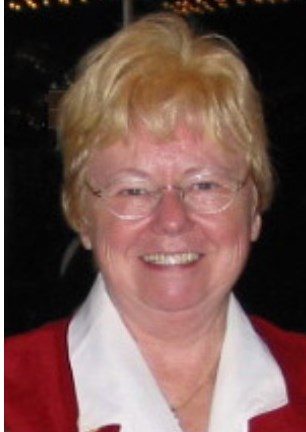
column 47, row 274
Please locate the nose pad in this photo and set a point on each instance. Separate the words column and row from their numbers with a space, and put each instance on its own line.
column 171, row 214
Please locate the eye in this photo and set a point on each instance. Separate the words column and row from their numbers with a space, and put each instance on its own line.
column 133, row 192
column 207, row 186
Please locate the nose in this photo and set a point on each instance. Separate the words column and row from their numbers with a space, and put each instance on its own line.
column 171, row 215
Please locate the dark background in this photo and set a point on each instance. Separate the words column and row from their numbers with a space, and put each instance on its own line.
column 41, row 49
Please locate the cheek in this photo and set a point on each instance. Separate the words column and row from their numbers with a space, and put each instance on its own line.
column 107, row 243
column 227, row 228
column 111, row 240
column 231, row 235
column 230, row 246
column 241, row 224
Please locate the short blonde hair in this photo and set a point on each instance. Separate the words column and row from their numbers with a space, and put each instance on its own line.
column 157, row 72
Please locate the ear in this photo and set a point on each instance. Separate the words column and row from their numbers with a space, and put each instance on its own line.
column 84, row 235
column 85, row 240
column 256, row 226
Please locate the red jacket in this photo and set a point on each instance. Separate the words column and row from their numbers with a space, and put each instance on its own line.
column 40, row 396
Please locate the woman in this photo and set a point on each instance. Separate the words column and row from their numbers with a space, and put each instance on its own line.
column 166, row 178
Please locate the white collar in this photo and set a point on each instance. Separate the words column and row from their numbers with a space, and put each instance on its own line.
column 249, row 381
column 114, row 385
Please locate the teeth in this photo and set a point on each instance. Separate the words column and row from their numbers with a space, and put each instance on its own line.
column 168, row 259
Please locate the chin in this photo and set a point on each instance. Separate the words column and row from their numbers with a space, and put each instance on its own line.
column 172, row 299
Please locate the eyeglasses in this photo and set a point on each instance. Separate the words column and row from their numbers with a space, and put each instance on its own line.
column 136, row 198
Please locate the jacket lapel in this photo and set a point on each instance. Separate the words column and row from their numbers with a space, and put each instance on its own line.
column 284, row 419
column 109, row 428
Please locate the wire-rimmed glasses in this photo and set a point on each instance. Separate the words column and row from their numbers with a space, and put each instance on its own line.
column 133, row 198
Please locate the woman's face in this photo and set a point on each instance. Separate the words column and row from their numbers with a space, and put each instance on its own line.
column 145, row 262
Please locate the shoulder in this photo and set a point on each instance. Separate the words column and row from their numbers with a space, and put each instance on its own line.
column 38, row 381
column 33, row 353
column 284, row 341
column 289, row 350
column 40, row 341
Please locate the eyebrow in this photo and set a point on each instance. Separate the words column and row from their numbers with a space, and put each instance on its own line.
column 208, row 169
column 139, row 174
column 132, row 173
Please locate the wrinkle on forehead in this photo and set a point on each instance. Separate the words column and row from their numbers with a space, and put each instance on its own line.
column 182, row 135
column 186, row 150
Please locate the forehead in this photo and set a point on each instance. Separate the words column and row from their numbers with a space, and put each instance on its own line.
column 184, row 152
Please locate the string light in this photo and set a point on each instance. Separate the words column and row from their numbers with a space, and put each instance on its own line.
column 183, row 7
column 14, row 6
column 186, row 7
column 21, row 5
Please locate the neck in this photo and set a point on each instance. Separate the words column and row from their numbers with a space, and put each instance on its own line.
column 178, row 329
column 182, row 350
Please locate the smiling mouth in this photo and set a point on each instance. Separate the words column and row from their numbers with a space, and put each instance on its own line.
column 172, row 259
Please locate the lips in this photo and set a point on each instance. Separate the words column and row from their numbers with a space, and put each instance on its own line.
column 171, row 259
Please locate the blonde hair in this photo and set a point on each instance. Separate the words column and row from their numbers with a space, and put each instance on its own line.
column 157, row 73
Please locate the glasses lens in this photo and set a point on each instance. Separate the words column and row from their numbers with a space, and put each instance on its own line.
column 131, row 200
column 210, row 193
column 131, row 207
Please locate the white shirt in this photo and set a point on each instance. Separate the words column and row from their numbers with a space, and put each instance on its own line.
column 114, row 384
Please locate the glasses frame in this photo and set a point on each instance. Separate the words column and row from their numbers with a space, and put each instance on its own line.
column 160, row 191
